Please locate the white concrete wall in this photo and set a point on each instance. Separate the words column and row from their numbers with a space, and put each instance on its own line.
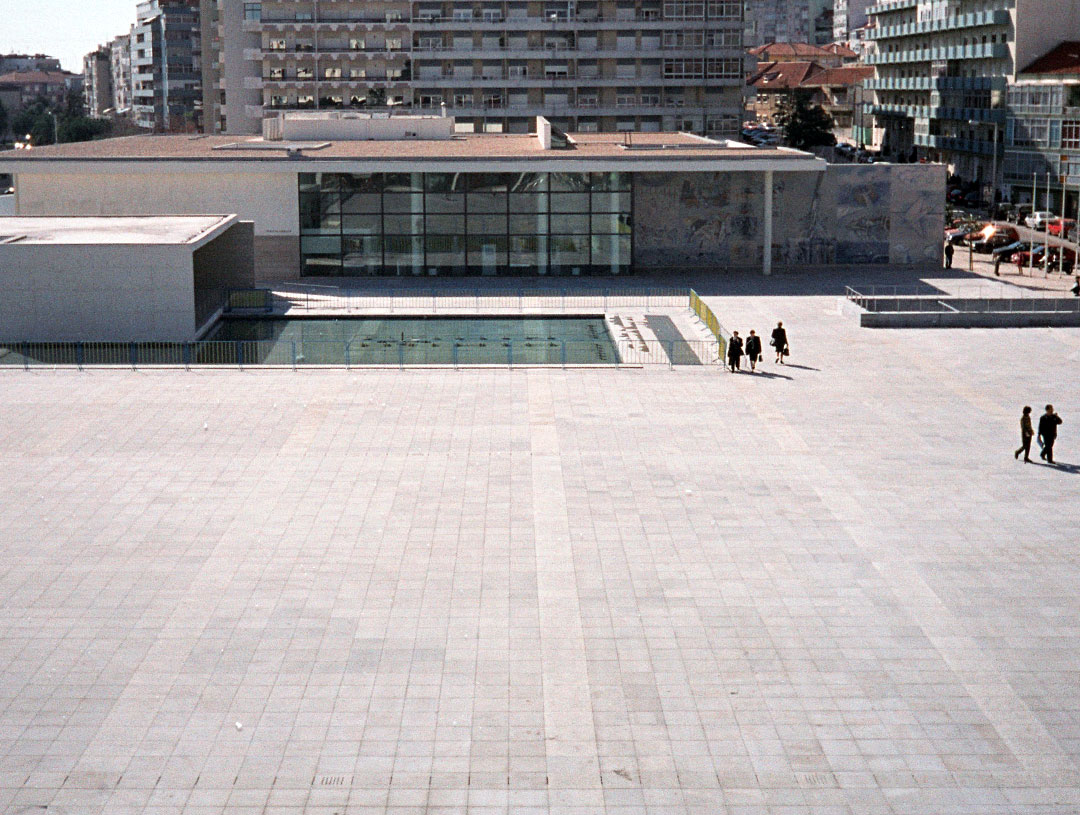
column 359, row 127
column 113, row 293
column 7, row 206
column 1040, row 26
column 268, row 199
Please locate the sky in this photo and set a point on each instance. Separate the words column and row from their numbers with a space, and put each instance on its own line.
column 67, row 29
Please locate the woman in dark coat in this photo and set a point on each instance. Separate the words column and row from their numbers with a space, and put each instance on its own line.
column 779, row 342
column 734, row 351
column 753, row 350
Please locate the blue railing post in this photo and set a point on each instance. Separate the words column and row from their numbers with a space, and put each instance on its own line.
column 185, row 355
column 239, row 354
column 348, row 364
column 510, row 353
column 80, row 355
column 563, row 353
column 401, row 355
column 133, row 352
column 454, row 354
column 26, row 356
column 293, row 344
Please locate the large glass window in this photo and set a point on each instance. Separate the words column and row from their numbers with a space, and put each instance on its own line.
column 465, row 223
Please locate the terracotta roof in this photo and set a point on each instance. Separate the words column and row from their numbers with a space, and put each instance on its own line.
column 35, row 77
column 846, row 75
column 773, row 76
column 788, row 49
column 463, row 147
column 840, row 50
column 1064, row 59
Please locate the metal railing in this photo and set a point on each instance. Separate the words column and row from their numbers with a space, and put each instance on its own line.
column 290, row 298
column 359, row 353
column 968, row 299
column 706, row 315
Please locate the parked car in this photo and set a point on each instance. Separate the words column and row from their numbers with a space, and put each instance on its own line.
column 1059, row 226
column 1020, row 213
column 1006, row 252
column 1072, row 233
column 1061, row 259
column 976, row 234
column 956, row 236
column 1038, row 220
column 994, row 237
column 1003, row 212
column 1038, row 256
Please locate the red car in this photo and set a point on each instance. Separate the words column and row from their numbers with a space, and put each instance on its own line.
column 1060, row 226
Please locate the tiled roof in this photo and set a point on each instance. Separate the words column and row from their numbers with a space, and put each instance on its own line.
column 847, row 75
column 840, row 50
column 35, row 78
column 1064, row 59
column 771, row 76
column 773, row 50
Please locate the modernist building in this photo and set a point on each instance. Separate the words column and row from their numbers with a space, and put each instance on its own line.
column 166, row 65
column 644, row 65
column 808, row 21
column 120, row 68
column 97, row 82
column 347, row 195
column 1042, row 142
column 848, row 17
column 943, row 68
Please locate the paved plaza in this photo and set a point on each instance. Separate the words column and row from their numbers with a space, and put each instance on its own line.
column 824, row 590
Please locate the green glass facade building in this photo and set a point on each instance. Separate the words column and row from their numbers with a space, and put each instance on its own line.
column 376, row 224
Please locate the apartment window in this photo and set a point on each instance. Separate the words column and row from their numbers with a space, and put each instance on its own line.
column 278, row 101
column 725, row 10
column 683, row 39
column 305, row 73
column 357, row 44
column 332, row 73
column 587, row 100
column 358, row 73
column 430, row 43
column 723, row 68
column 1031, row 133
column 393, row 43
column 277, row 73
column 1070, row 135
column 305, row 101
column 463, row 100
column 253, row 12
column 426, row 100
column 683, row 68
column 683, row 10
column 277, row 45
column 493, row 100
column 625, row 100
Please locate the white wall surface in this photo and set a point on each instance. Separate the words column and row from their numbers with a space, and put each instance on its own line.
column 268, row 199
column 114, row 293
column 7, row 205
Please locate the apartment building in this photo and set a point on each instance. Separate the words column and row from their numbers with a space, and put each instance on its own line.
column 587, row 65
column 120, row 68
column 97, row 82
column 848, row 17
column 943, row 70
column 809, row 21
column 18, row 63
column 1042, row 139
column 166, row 65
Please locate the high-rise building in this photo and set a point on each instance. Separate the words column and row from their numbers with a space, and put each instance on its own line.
column 943, row 70
column 588, row 65
column 848, row 17
column 166, row 65
column 97, row 82
column 120, row 67
column 789, row 21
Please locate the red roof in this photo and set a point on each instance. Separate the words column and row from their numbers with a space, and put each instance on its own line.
column 35, row 78
column 840, row 50
column 1065, row 59
column 847, row 75
column 773, row 50
column 782, row 75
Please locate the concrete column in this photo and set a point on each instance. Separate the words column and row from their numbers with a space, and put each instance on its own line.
column 766, row 266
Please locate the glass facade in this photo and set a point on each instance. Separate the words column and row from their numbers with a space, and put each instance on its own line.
column 465, row 223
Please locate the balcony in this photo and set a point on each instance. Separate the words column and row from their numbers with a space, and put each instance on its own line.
column 955, row 144
column 929, row 83
column 988, row 115
column 576, row 51
column 998, row 50
column 962, row 21
column 891, row 6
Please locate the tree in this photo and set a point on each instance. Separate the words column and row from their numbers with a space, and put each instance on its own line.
column 805, row 124
column 68, row 122
column 376, row 98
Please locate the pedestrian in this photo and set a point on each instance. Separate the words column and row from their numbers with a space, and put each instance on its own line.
column 1026, row 434
column 753, row 350
column 1076, row 287
column 1048, row 425
column 734, row 351
column 779, row 342
column 948, row 255
column 997, row 265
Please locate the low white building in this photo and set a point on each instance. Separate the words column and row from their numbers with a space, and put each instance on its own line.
column 118, row 279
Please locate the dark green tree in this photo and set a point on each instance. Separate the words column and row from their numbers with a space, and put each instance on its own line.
column 376, row 98
column 804, row 123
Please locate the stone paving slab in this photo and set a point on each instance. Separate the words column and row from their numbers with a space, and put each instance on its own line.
column 825, row 589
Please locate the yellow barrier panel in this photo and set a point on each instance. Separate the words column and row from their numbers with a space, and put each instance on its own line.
column 702, row 310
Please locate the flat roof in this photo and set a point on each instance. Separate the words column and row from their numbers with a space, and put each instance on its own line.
column 463, row 147
column 142, row 230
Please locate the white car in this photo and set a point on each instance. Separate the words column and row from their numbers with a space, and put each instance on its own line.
column 1037, row 220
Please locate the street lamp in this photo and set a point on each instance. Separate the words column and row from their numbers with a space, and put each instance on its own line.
column 993, row 164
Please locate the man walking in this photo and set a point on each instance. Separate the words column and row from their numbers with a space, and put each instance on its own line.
column 734, row 351
column 1026, row 434
column 948, row 255
column 1048, row 425
column 753, row 350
